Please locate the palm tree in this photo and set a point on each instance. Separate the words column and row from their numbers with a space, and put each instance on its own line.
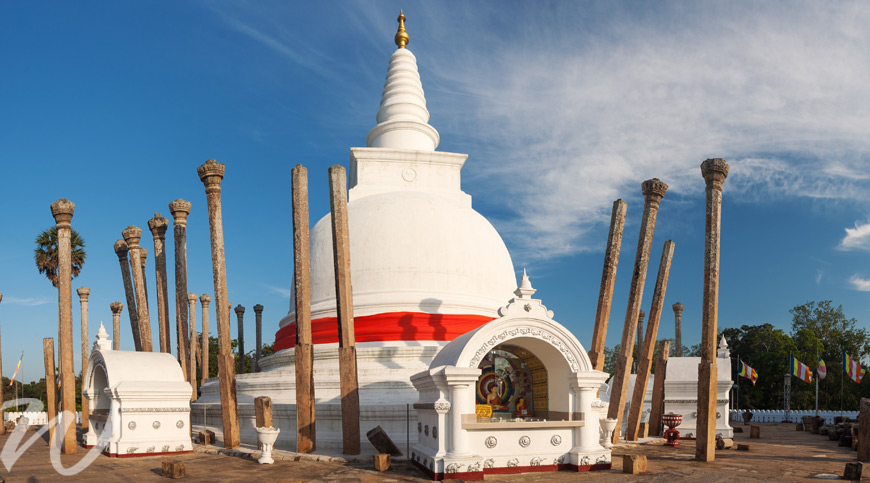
column 45, row 253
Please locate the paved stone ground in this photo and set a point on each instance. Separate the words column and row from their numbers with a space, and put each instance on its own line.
column 782, row 454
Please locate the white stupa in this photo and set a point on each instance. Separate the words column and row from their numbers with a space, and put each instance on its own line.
column 425, row 266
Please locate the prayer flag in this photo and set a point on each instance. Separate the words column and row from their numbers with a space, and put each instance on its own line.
column 16, row 369
column 852, row 368
column 800, row 370
column 748, row 372
column 822, row 369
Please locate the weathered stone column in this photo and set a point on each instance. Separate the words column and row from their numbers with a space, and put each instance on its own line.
column 240, row 316
column 83, row 301
column 121, row 250
column 608, row 276
column 143, row 257
column 158, row 226
column 204, row 300
column 211, row 173
column 714, row 172
column 658, row 398
column 258, row 315
column 653, row 192
column 191, row 366
column 678, row 329
column 3, row 428
column 639, row 343
column 50, row 385
column 303, row 353
column 116, row 307
column 179, row 210
column 645, row 351
column 344, row 301
column 132, row 235
column 62, row 210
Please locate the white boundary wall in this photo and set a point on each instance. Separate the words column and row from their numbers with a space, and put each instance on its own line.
column 777, row 415
column 35, row 418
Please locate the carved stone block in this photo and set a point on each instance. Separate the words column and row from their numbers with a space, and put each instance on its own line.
column 853, row 471
column 755, row 432
column 172, row 469
column 379, row 439
column 206, row 437
column 744, row 447
column 724, row 443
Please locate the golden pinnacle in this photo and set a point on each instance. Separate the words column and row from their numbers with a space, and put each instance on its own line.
column 402, row 37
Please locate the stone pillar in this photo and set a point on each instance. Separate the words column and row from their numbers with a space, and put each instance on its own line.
column 303, row 352
column 212, row 173
column 179, row 210
column 258, row 314
column 132, row 235
column 639, row 343
column 204, row 300
column 678, row 329
column 714, row 172
column 608, row 276
column 645, row 351
column 240, row 317
column 121, row 250
column 143, row 256
column 653, row 192
column 158, row 226
column 3, row 428
column 863, row 445
column 116, row 307
column 62, row 210
column 344, row 301
column 50, row 386
column 83, row 301
column 658, row 398
column 191, row 364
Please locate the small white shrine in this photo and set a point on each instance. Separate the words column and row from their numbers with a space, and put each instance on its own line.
column 140, row 401
column 681, row 392
column 517, row 394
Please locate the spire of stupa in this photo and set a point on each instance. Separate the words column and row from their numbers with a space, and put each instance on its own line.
column 403, row 120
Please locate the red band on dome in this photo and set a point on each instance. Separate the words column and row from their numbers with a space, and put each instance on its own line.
column 386, row 327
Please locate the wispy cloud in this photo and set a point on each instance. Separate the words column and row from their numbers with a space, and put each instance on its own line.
column 819, row 274
column 283, row 292
column 857, row 238
column 27, row 301
column 860, row 284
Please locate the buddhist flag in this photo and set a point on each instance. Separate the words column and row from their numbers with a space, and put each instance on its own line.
column 748, row 372
column 800, row 370
column 16, row 368
column 852, row 368
column 822, row 370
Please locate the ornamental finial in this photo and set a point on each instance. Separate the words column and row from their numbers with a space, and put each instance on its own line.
column 402, row 37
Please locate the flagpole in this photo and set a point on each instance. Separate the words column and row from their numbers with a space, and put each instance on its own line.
column 817, row 380
column 842, row 374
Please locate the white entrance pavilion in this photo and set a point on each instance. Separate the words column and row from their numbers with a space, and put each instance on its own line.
column 558, row 431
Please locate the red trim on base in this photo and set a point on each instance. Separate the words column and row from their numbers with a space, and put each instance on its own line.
column 479, row 475
column 390, row 326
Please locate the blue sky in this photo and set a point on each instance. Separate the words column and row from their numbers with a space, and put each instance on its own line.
column 562, row 107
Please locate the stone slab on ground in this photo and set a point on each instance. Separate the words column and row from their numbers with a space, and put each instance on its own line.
column 853, row 471
column 634, row 464
column 755, row 431
column 172, row 469
column 381, row 462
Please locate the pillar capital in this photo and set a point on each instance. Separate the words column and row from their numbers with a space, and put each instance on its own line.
column 158, row 225
column 654, row 190
column 131, row 236
column 211, row 173
column 239, row 310
column 63, row 210
column 714, row 171
column 116, row 307
column 1, row 297
column 641, row 315
column 678, row 308
column 83, row 293
column 191, row 297
column 121, row 249
column 258, row 309
column 204, row 299
column 179, row 210
column 143, row 254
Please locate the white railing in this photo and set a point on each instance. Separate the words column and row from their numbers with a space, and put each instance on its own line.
column 35, row 418
column 778, row 415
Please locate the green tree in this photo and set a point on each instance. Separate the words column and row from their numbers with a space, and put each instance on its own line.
column 45, row 253
column 767, row 350
column 823, row 327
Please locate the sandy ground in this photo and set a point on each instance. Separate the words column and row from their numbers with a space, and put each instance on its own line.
column 782, row 454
